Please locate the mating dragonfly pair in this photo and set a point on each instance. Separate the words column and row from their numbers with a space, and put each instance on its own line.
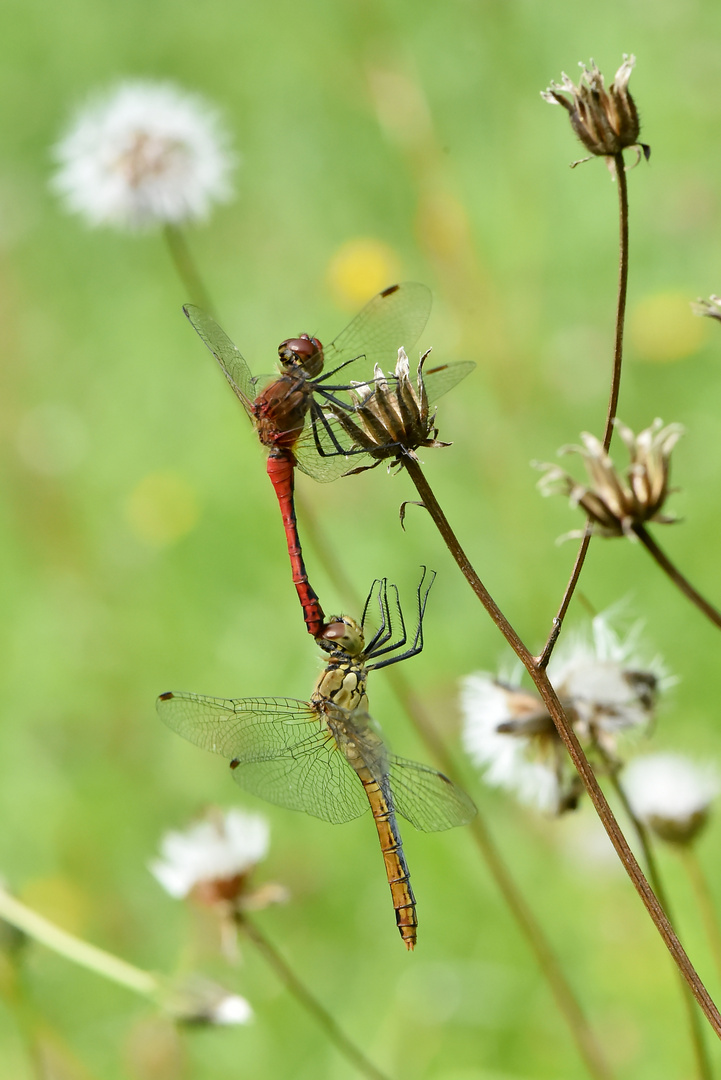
column 325, row 756
column 296, row 415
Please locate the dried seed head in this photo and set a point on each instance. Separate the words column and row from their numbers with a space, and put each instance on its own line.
column 391, row 416
column 605, row 120
column 616, row 504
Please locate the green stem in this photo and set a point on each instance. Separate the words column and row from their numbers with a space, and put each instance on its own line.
column 702, row 892
column 74, row 949
column 567, row 734
column 186, row 268
column 304, row 997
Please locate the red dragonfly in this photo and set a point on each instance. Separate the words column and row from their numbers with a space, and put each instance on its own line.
column 291, row 414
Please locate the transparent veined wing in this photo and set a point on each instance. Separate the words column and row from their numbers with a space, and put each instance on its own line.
column 324, row 449
column 226, row 353
column 279, row 750
column 392, row 318
column 427, row 798
column 440, row 378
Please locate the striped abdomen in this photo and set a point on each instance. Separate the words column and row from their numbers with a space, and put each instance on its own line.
column 399, row 879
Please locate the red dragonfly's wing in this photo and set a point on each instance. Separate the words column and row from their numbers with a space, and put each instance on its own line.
column 279, row 749
column 393, row 318
column 438, row 379
column 427, row 798
column 226, row 353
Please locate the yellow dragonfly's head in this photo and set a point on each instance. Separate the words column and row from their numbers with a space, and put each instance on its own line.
column 342, row 635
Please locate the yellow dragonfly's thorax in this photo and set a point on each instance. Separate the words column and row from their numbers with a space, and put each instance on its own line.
column 343, row 682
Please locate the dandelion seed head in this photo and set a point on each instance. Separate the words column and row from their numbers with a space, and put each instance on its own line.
column 142, row 155
column 220, row 849
column 605, row 674
column 510, row 736
column 671, row 793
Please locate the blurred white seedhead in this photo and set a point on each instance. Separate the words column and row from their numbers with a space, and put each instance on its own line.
column 510, row 736
column 606, row 688
column 197, row 1000
column 610, row 685
column 671, row 794
column 212, row 860
column 142, row 155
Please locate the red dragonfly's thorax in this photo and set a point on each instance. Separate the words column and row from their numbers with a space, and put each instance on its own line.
column 303, row 354
column 280, row 411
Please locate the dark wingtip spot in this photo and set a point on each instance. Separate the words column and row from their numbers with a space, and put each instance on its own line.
column 390, row 290
column 235, row 763
column 167, row 696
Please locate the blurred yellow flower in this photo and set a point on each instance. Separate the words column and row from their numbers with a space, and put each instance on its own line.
column 662, row 329
column 360, row 268
column 162, row 508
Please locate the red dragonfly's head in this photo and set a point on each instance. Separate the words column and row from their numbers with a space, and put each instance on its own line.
column 304, row 353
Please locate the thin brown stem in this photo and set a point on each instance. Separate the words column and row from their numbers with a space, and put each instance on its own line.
column 186, row 268
column 310, row 1003
column 621, row 298
column 567, row 734
column 702, row 892
column 676, row 576
column 566, row 600
column 622, row 185
column 703, row 1064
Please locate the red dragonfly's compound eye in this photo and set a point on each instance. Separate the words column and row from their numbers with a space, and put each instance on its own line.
column 303, row 351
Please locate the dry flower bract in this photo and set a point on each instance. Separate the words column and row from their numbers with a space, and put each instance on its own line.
column 605, row 120
column 617, row 504
column 710, row 307
column 145, row 154
column 391, row 416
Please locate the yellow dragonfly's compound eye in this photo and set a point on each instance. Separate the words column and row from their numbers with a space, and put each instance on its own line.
column 344, row 633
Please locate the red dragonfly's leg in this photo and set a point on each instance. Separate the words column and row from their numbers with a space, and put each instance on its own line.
column 281, row 471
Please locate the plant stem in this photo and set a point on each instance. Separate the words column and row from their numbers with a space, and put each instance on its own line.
column 186, row 268
column 74, row 949
column 567, row 734
column 704, row 899
column 697, row 1040
column 676, row 576
column 304, row 997
column 621, row 298
column 541, row 947
column 622, row 185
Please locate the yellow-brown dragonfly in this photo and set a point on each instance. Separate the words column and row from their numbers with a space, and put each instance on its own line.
column 311, row 755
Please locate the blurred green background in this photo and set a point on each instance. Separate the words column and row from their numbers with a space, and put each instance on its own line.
column 140, row 543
